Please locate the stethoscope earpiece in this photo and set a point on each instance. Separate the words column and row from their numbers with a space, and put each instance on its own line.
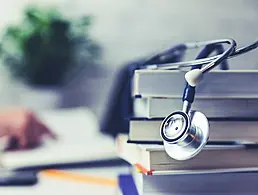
column 194, row 77
column 184, row 135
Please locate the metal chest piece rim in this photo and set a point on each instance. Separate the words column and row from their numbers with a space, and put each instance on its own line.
column 191, row 136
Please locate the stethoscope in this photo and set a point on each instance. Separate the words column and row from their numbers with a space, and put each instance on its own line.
column 186, row 132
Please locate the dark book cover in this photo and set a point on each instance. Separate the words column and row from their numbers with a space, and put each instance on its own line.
column 127, row 185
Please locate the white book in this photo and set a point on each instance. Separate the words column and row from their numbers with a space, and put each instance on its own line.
column 234, row 130
column 152, row 159
column 217, row 83
column 212, row 107
column 189, row 184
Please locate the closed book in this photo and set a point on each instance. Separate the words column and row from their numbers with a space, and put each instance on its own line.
column 216, row 83
column 212, row 107
column 227, row 130
column 205, row 184
column 152, row 159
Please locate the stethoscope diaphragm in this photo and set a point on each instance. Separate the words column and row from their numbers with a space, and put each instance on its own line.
column 184, row 135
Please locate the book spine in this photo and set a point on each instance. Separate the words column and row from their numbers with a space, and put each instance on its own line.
column 212, row 108
column 170, row 83
column 220, row 131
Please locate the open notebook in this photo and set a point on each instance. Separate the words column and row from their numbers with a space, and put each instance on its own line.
column 79, row 140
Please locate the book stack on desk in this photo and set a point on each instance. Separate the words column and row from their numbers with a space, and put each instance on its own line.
column 227, row 164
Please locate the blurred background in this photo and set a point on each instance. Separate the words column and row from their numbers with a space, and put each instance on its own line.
column 62, row 53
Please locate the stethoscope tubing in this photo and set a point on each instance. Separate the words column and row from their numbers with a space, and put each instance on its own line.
column 178, row 65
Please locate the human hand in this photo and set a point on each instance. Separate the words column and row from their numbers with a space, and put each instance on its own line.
column 22, row 128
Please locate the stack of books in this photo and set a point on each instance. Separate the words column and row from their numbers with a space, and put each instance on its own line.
column 228, row 163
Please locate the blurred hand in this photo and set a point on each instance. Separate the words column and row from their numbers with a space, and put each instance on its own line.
column 22, row 128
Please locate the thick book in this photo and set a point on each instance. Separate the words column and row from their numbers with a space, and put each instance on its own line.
column 205, row 184
column 226, row 130
column 212, row 107
column 153, row 159
column 217, row 83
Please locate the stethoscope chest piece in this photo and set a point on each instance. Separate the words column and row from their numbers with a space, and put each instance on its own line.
column 184, row 135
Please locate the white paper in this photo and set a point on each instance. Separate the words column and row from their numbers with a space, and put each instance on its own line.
column 78, row 140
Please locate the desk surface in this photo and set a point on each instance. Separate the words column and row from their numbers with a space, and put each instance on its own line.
column 50, row 185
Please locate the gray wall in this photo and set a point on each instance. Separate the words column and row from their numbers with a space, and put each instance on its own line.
column 132, row 28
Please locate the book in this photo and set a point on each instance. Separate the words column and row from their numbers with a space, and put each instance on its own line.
column 216, row 83
column 152, row 159
column 78, row 141
column 212, row 107
column 188, row 184
column 226, row 130
column 127, row 185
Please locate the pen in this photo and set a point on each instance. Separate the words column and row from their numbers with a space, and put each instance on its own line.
column 79, row 178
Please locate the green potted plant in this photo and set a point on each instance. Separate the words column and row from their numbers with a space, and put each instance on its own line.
column 44, row 49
